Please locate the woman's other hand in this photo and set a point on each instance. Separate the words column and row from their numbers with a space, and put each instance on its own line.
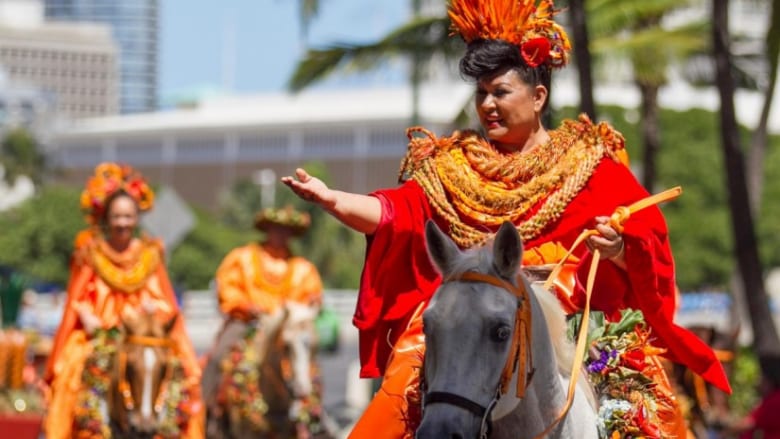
column 311, row 189
column 608, row 242
column 89, row 320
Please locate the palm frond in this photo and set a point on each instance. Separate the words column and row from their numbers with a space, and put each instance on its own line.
column 605, row 17
column 423, row 37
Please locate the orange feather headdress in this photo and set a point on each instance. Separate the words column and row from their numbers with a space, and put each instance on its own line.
column 109, row 179
column 521, row 22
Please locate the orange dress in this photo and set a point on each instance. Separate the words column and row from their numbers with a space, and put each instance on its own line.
column 107, row 282
column 251, row 277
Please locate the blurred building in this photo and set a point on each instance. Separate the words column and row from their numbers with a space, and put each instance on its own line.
column 25, row 107
column 358, row 134
column 134, row 25
column 72, row 64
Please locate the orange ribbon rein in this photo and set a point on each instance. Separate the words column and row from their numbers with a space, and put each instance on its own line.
column 617, row 219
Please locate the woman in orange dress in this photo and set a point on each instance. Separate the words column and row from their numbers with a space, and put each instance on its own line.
column 256, row 279
column 113, row 272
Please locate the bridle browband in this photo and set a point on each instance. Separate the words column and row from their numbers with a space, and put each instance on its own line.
column 519, row 360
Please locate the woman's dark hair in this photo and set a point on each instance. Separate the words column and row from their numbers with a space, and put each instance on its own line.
column 485, row 58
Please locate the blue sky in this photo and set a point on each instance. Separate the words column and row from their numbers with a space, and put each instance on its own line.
column 246, row 46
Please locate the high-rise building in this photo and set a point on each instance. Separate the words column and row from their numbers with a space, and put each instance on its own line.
column 73, row 65
column 134, row 24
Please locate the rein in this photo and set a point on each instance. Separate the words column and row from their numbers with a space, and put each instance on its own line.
column 617, row 219
column 124, row 385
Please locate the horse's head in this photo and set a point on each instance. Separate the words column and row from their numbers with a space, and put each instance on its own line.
column 142, row 368
column 469, row 327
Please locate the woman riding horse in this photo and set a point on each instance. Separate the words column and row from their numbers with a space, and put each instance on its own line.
column 112, row 270
column 551, row 184
column 257, row 279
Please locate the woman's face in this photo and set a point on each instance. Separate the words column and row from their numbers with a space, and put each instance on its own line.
column 509, row 109
column 122, row 219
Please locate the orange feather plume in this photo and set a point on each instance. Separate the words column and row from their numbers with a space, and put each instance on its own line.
column 520, row 22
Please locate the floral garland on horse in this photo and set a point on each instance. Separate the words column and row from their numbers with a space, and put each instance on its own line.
column 90, row 421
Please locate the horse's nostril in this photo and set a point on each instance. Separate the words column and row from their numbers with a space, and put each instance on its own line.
column 456, row 436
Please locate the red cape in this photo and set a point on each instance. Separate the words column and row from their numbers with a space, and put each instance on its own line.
column 398, row 275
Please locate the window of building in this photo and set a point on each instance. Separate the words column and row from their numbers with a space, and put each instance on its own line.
column 139, row 151
column 329, row 143
column 200, row 151
column 262, row 147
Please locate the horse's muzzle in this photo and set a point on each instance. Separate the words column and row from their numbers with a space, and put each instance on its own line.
column 450, row 423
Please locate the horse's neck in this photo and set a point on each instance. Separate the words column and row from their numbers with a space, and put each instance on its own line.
column 545, row 395
column 272, row 380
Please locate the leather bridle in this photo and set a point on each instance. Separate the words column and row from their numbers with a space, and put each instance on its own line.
column 518, row 360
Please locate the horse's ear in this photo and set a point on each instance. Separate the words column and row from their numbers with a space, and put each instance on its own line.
column 507, row 250
column 129, row 319
column 440, row 247
column 168, row 327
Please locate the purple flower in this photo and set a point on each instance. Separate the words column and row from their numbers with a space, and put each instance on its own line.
column 599, row 365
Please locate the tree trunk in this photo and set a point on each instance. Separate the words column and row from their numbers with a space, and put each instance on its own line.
column 765, row 337
column 758, row 143
column 415, row 75
column 582, row 55
column 650, row 133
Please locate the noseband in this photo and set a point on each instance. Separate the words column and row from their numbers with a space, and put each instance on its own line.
column 519, row 359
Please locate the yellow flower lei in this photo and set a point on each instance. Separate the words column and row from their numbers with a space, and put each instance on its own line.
column 475, row 187
column 125, row 272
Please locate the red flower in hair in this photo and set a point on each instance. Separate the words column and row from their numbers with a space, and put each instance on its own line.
column 535, row 51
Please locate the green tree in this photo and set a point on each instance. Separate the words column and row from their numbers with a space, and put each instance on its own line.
column 37, row 236
column 631, row 30
column 193, row 263
column 21, row 156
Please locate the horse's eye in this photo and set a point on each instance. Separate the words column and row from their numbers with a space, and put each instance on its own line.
column 501, row 333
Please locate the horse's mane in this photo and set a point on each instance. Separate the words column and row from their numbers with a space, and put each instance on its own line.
column 481, row 259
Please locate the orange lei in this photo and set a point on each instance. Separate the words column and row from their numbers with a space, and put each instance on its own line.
column 127, row 271
column 473, row 186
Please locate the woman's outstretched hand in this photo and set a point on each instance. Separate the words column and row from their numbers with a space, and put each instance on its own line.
column 608, row 242
column 311, row 189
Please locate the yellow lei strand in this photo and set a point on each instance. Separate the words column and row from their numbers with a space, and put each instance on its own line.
column 475, row 187
column 122, row 271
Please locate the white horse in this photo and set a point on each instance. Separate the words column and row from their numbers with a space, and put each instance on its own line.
column 472, row 335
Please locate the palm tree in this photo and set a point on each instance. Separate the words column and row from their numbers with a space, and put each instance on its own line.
column 581, row 44
column 759, row 141
column 631, row 30
column 423, row 40
column 766, row 340
column 307, row 10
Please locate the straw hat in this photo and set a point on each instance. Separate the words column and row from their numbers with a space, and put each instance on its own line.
column 288, row 217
